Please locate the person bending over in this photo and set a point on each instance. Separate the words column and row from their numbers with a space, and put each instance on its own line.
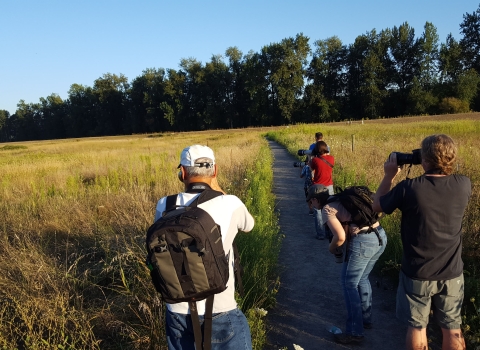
column 359, row 248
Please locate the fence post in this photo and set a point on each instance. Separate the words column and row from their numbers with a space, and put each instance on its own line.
column 353, row 142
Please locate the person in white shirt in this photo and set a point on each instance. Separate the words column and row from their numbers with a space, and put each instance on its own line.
column 230, row 329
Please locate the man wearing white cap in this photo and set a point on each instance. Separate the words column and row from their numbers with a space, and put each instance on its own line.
column 230, row 329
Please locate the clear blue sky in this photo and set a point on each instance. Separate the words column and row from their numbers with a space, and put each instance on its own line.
column 48, row 45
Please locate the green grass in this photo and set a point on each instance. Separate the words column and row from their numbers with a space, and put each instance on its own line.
column 359, row 161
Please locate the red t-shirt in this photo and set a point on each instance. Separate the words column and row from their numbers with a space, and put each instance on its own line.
column 323, row 171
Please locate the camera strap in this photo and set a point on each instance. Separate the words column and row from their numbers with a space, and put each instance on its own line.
column 408, row 171
column 197, row 187
column 326, row 161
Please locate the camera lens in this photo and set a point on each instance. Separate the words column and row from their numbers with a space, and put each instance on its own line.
column 413, row 158
column 417, row 156
column 304, row 152
column 404, row 158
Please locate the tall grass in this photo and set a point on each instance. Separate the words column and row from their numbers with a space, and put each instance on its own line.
column 73, row 219
column 360, row 151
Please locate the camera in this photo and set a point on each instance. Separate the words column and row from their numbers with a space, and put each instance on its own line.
column 413, row 158
column 299, row 164
column 339, row 255
column 304, row 152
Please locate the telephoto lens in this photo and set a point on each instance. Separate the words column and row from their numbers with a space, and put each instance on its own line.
column 413, row 158
column 304, row 152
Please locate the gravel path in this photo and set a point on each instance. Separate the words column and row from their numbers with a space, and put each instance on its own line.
column 310, row 298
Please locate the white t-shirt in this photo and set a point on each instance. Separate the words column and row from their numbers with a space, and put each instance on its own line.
column 231, row 215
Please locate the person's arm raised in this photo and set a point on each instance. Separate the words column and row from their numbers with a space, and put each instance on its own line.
column 391, row 170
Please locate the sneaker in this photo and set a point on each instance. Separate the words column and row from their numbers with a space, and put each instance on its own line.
column 343, row 338
column 367, row 325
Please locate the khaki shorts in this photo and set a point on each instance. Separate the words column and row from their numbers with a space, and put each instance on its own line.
column 415, row 298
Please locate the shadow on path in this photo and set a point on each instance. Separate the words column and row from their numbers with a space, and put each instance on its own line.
column 310, row 298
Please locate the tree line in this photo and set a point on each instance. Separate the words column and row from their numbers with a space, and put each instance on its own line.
column 382, row 74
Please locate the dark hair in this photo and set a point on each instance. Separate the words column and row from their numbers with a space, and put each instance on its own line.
column 321, row 148
column 323, row 198
column 318, row 136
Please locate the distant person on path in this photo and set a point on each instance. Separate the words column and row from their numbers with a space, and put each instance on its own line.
column 230, row 330
column 321, row 164
column 432, row 206
column 361, row 248
column 318, row 137
column 306, row 173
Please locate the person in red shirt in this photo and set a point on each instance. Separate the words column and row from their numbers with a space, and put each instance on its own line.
column 321, row 165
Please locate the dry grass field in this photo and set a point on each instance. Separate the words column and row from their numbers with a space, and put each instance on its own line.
column 73, row 216
column 73, row 219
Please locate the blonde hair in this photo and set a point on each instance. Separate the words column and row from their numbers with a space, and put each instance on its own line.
column 440, row 152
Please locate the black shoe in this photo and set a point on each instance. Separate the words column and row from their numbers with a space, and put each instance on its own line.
column 367, row 325
column 343, row 338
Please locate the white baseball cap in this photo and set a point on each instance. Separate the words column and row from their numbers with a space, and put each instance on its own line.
column 190, row 155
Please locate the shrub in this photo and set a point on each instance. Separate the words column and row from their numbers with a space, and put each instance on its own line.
column 451, row 105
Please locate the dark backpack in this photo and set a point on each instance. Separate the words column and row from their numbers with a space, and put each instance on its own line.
column 358, row 200
column 186, row 259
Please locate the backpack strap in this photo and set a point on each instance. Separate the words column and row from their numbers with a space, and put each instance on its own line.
column 171, row 202
column 205, row 195
column 207, row 324
column 197, row 331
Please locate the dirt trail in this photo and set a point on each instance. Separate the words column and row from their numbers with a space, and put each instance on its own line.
column 310, row 298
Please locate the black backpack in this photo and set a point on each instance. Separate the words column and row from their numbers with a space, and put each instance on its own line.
column 358, row 200
column 186, row 259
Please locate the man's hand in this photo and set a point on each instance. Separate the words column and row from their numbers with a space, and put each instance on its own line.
column 391, row 170
column 390, row 167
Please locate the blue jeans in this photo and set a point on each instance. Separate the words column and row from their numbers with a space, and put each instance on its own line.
column 363, row 252
column 230, row 331
column 317, row 216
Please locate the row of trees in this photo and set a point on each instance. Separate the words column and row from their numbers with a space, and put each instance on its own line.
column 382, row 74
